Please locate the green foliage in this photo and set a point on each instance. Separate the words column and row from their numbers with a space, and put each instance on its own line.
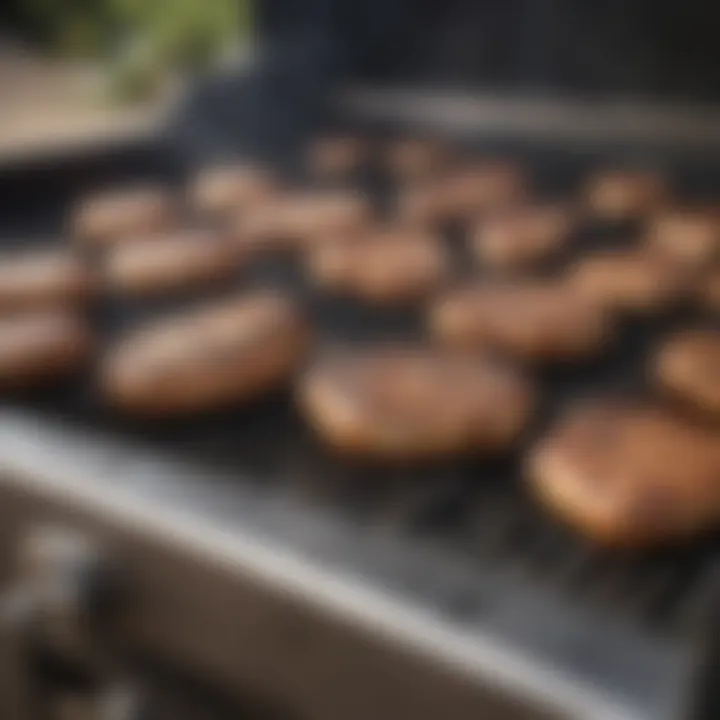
column 142, row 40
column 183, row 33
column 71, row 27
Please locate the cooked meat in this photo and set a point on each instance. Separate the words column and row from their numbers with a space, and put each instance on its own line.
column 618, row 195
column 463, row 194
column 392, row 265
column 421, row 204
column 408, row 404
column 170, row 263
column 110, row 217
column 631, row 281
column 217, row 355
column 522, row 238
column 337, row 156
column 486, row 186
column 688, row 366
column 415, row 158
column 231, row 188
column 40, row 347
column 44, row 280
column 304, row 219
column 687, row 237
column 710, row 291
column 532, row 320
column 629, row 475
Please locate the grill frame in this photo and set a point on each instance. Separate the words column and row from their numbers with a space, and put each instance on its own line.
column 204, row 599
column 375, row 617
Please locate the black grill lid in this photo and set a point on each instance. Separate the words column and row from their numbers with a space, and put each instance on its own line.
column 649, row 48
column 305, row 49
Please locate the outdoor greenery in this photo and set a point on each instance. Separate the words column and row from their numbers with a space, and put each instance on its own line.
column 141, row 41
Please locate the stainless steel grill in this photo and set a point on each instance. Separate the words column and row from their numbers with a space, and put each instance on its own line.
column 256, row 563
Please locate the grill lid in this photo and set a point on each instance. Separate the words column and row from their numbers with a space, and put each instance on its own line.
column 560, row 49
column 617, row 47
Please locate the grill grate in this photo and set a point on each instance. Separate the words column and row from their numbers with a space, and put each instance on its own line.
column 474, row 511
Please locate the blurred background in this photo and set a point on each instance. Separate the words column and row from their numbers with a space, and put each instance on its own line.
column 66, row 67
column 101, row 66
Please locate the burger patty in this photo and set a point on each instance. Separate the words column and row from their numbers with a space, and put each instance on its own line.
column 416, row 158
column 627, row 281
column 522, row 238
column 710, row 291
column 303, row 219
column 628, row 475
column 531, row 320
column 410, row 404
column 44, row 280
column 690, row 238
column 220, row 354
column 337, row 156
column 688, row 366
column 464, row 194
column 230, row 188
column 617, row 195
column 110, row 217
column 42, row 346
column 170, row 263
column 386, row 266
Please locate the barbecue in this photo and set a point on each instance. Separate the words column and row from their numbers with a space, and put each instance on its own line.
column 256, row 564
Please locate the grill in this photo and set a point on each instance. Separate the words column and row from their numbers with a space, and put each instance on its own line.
column 260, row 566
column 461, row 541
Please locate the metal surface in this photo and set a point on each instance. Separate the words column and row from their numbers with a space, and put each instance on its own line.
column 54, row 615
column 691, row 126
column 259, row 564
column 232, row 600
